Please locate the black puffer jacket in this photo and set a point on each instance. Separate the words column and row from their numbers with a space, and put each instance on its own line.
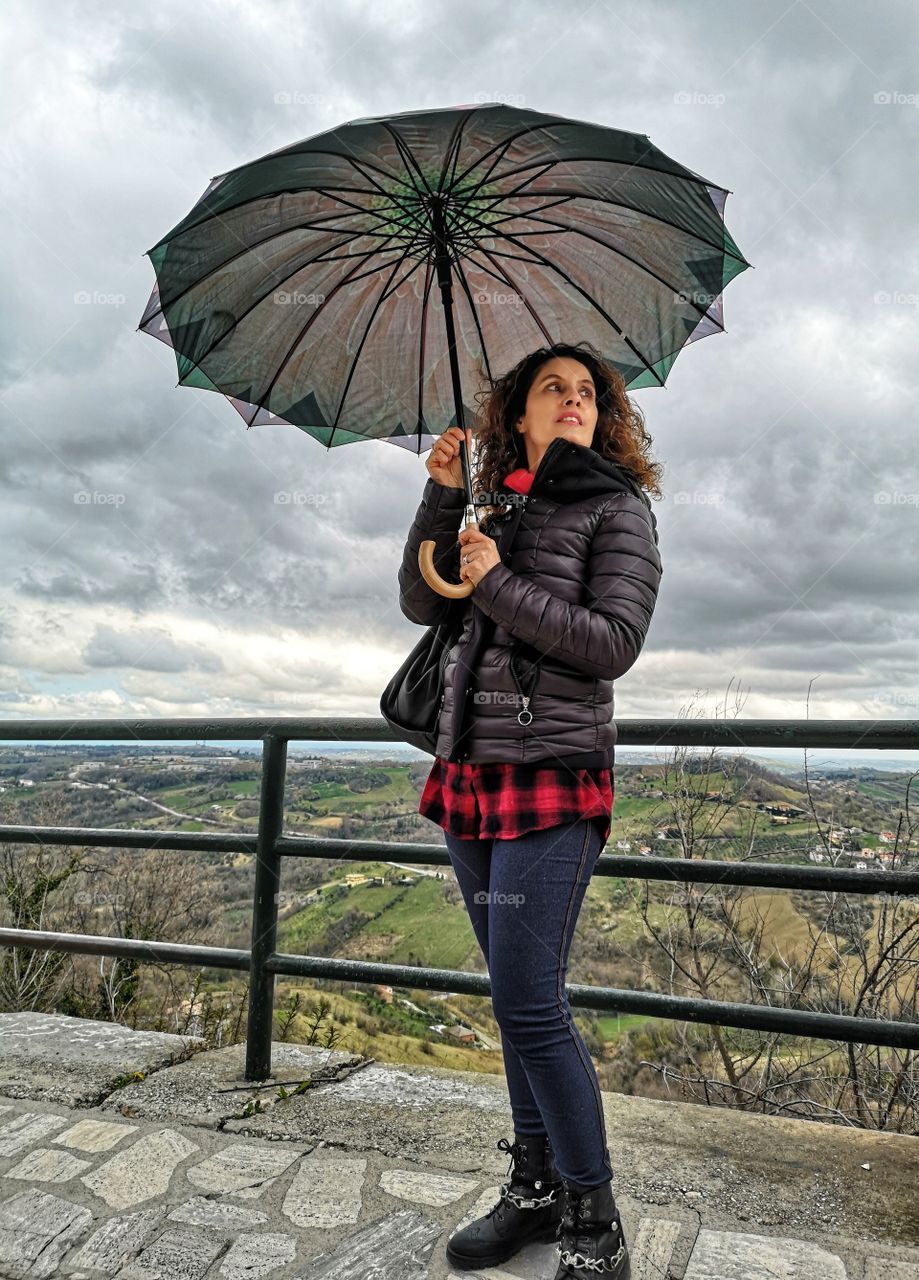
column 561, row 617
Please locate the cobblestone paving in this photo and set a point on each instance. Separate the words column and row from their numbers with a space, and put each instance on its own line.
column 85, row 1198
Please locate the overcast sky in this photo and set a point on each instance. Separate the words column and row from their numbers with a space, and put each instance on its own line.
column 793, row 433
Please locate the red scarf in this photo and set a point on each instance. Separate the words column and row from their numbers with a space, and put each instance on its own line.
column 519, row 480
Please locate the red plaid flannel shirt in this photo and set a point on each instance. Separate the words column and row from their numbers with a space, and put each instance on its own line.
column 483, row 801
column 491, row 800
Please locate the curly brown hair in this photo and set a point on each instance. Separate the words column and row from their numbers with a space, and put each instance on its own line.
column 620, row 433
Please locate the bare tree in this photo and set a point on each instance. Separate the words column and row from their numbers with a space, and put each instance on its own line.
column 159, row 894
column 35, row 880
column 717, row 944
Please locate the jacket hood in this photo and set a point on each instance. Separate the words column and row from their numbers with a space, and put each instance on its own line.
column 570, row 472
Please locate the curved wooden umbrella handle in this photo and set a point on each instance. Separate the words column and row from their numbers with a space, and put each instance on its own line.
column 454, row 590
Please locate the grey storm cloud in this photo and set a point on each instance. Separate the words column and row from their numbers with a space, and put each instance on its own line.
column 146, row 649
column 789, row 523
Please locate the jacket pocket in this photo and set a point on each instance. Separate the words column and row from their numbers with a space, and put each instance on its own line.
column 525, row 673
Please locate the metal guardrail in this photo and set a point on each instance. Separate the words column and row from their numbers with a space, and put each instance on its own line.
column 270, row 846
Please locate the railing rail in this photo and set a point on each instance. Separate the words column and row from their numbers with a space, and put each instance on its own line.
column 270, row 846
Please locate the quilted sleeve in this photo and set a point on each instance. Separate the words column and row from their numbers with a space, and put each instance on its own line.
column 438, row 517
column 605, row 635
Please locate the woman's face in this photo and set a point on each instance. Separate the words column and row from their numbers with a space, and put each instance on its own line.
column 562, row 401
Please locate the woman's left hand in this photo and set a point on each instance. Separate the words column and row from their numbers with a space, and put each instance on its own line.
column 482, row 553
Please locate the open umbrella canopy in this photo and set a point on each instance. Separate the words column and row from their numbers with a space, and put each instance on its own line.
column 303, row 285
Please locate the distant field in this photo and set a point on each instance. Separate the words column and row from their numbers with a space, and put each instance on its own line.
column 612, row 1026
column 421, row 924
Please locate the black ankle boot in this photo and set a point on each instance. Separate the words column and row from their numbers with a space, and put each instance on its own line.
column 590, row 1238
column 529, row 1208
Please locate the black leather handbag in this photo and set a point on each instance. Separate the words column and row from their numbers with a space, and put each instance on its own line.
column 411, row 701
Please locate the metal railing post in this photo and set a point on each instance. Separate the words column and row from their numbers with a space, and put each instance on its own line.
column 265, row 908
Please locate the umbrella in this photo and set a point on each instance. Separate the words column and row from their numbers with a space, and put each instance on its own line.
column 301, row 284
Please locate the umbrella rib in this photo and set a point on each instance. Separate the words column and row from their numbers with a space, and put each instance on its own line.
column 422, row 342
column 628, row 258
column 352, row 235
column 609, row 319
column 359, row 208
column 509, row 217
column 452, row 151
column 211, row 212
column 408, row 275
column 404, row 257
column 573, row 196
column 685, row 174
column 319, row 258
column 717, row 246
column 545, row 166
column 498, row 151
column 299, row 338
column 354, row 363
column 258, row 301
column 475, row 316
column 221, row 266
column 505, row 279
column 274, row 156
column 408, row 158
column 409, row 189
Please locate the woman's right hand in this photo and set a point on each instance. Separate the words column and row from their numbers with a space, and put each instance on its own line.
column 443, row 461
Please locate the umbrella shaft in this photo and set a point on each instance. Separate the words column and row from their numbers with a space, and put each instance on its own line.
column 445, row 280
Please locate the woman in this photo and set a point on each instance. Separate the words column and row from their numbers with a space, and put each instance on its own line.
column 565, row 583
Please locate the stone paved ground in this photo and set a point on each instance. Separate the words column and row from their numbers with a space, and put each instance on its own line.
column 368, row 1172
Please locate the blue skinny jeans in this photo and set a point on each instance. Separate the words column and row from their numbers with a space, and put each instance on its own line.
column 523, row 897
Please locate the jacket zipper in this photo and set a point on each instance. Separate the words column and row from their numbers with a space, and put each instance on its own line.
column 526, row 698
column 443, row 667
